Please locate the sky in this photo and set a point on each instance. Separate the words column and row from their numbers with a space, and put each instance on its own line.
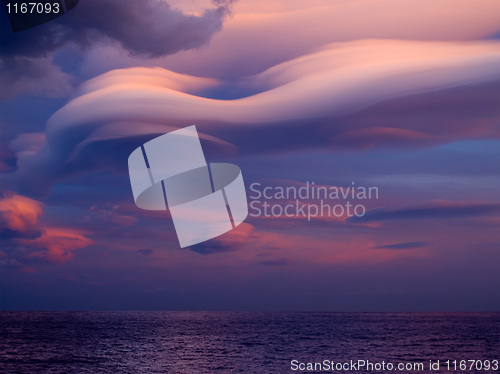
column 401, row 96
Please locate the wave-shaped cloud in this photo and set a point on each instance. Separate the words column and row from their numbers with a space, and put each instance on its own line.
column 263, row 33
column 336, row 80
column 305, row 100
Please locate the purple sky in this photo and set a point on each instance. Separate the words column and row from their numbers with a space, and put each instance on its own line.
column 381, row 94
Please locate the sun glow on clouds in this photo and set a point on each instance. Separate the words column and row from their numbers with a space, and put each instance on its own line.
column 19, row 214
column 336, row 80
column 263, row 33
column 56, row 244
column 316, row 88
column 333, row 81
column 24, row 240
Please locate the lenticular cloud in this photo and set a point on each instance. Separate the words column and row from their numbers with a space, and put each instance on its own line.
column 336, row 80
column 319, row 89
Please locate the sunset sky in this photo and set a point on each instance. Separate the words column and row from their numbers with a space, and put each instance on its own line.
column 401, row 95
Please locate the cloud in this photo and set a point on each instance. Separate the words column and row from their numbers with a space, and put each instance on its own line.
column 148, row 28
column 146, row 252
column 276, row 262
column 20, row 75
column 322, row 99
column 385, row 136
column 334, row 81
column 228, row 242
column 7, row 156
column 407, row 245
column 434, row 210
column 110, row 214
column 326, row 21
column 27, row 144
column 24, row 240
column 19, row 217
column 55, row 245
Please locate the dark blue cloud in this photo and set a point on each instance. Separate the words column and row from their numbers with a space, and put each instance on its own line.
column 399, row 246
column 276, row 262
column 431, row 211
column 146, row 252
column 148, row 28
column 8, row 234
column 214, row 246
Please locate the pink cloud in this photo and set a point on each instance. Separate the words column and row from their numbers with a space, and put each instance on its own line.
column 25, row 239
column 337, row 80
column 56, row 244
column 19, row 214
column 263, row 33
column 318, row 93
column 112, row 215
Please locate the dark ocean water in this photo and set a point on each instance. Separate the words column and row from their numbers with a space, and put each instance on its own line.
column 237, row 342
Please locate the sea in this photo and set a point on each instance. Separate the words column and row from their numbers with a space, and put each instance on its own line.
column 248, row 342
